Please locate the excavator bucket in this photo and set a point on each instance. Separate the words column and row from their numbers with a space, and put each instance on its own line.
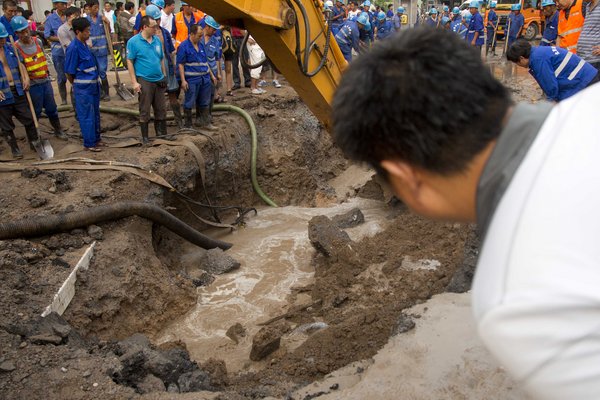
column 44, row 149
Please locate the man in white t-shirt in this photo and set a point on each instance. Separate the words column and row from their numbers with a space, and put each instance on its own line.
column 528, row 174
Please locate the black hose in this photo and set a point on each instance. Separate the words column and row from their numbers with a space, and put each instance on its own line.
column 47, row 225
column 243, row 59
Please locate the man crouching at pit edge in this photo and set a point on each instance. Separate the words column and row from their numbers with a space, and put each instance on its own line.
column 529, row 176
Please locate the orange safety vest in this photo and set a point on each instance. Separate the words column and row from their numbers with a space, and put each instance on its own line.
column 199, row 15
column 36, row 64
column 182, row 29
column 570, row 29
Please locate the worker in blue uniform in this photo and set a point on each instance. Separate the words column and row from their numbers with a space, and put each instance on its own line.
column 9, row 9
column 212, row 49
column 99, row 44
column 560, row 73
column 196, row 77
column 138, row 18
column 53, row 22
column 516, row 22
column 465, row 33
column 475, row 25
column 82, row 72
column 337, row 16
column 490, row 29
column 432, row 19
column 456, row 24
column 348, row 37
column 551, row 24
column 397, row 19
column 13, row 102
column 385, row 28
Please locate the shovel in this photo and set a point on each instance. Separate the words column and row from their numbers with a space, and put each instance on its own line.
column 42, row 147
column 506, row 33
column 122, row 91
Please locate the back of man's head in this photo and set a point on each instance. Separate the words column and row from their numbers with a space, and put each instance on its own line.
column 129, row 6
column 423, row 97
column 72, row 11
column 520, row 48
column 80, row 24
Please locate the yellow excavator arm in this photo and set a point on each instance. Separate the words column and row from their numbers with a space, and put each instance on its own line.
column 286, row 30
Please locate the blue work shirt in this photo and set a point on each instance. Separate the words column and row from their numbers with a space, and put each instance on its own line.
column 385, row 30
column 492, row 20
column 9, row 28
column 212, row 49
column 456, row 25
column 169, row 48
column 476, row 25
column 98, row 36
column 389, row 14
column 431, row 22
column 550, row 31
column 348, row 36
column 13, row 64
column 138, row 21
column 146, row 57
column 81, row 63
column 195, row 63
column 53, row 22
column 516, row 23
column 560, row 73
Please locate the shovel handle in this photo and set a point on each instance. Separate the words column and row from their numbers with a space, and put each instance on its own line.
column 14, row 46
column 112, row 52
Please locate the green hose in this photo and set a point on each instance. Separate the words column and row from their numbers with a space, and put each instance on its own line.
column 216, row 107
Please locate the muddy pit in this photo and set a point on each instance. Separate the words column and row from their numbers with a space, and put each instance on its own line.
column 302, row 293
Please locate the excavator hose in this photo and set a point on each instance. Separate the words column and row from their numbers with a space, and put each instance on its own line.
column 40, row 226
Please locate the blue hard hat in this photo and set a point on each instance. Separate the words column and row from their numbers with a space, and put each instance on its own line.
column 210, row 21
column 19, row 23
column 548, row 3
column 153, row 11
column 400, row 10
column 445, row 20
column 515, row 7
column 158, row 3
column 433, row 11
column 381, row 15
column 468, row 17
column 363, row 19
column 493, row 4
column 456, row 10
column 3, row 31
column 367, row 3
column 474, row 4
column 368, row 26
column 183, row 3
column 446, row 8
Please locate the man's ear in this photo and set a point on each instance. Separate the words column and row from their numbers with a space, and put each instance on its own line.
column 404, row 175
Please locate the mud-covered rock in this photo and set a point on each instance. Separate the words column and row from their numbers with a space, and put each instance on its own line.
column 217, row 262
column 267, row 340
column 7, row 366
column 132, row 344
column 31, row 173
column 62, row 182
column 151, row 384
column 37, row 202
column 350, row 219
column 97, row 194
column 330, row 240
column 95, row 232
column 235, row 332
column 405, row 323
column 169, row 365
column 371, row 190
column 194, row 381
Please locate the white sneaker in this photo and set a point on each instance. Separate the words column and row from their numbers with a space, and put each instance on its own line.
column 276, row 83
column 262, row 90
column 262, row 83
column 257, row 91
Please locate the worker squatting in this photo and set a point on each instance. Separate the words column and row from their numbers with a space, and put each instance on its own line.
column 80, row 50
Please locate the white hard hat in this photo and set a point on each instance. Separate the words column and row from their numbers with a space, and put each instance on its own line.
column 329, row 3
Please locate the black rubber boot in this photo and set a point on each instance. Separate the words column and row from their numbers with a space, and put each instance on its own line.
column 177, row 113
column 32, row 136
column 144, row 128
column 58, row 132
column 62, row 90
column 188, row 118
column 160, row 127
column 205, row 116
column 12, row 142
column 105, row 95
column 199, row 122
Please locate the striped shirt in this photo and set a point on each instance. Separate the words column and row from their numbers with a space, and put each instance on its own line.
column 590, row 35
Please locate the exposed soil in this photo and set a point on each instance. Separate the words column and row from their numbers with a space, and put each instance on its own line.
column 358, row 294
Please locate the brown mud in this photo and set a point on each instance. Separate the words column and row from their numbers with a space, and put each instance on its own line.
column 349, row 311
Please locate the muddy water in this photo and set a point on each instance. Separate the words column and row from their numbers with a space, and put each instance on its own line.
column 275, row 256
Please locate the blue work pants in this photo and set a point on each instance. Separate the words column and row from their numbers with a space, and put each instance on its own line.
column 59, row 66
column 102, row 66
column 346, row 51
column 42, row 97
column 198, row 94
column 88, row 115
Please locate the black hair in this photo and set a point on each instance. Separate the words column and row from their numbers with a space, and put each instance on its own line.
column 27, row 14
column 80, row 24
column 72, row 11
column 145, row 22
column 389, row 104
column 520, row 48
column 194, row 29
column 169, row 2
column 118, row 5
column 46, row 12
column 390, row 6
column 93, row 3
column 129, row 5
column 8, row 3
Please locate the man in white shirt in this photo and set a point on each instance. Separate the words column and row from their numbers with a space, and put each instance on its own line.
column 167, row 18
column 529, row 175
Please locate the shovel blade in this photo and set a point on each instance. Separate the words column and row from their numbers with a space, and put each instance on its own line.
column 44, row 149
column 124, row 93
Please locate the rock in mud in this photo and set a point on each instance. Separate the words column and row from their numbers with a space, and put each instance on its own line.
column 37, row 202
column 217, row 262
column 97, row 194
column 235, row 332
column 46, row 338
column 330, row 240
column 350, row 219
column 405, row 323
column 95, row 232
column 194, row 381
column 62, row 182
column 7, row 366
column 151, row 384
column 267, row 340
column 169, row 365
column 30, row 173
column 371, row 190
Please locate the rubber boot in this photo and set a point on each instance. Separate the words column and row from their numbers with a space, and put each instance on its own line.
column 58, row 132
column 12, row 142
column 62, row 90
column 198, row 122
column 32, row 136
column 144, row 129
column 105, row 95
column 160, row 127
column 177, row 113
column 188, row 118
column 205, row 116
